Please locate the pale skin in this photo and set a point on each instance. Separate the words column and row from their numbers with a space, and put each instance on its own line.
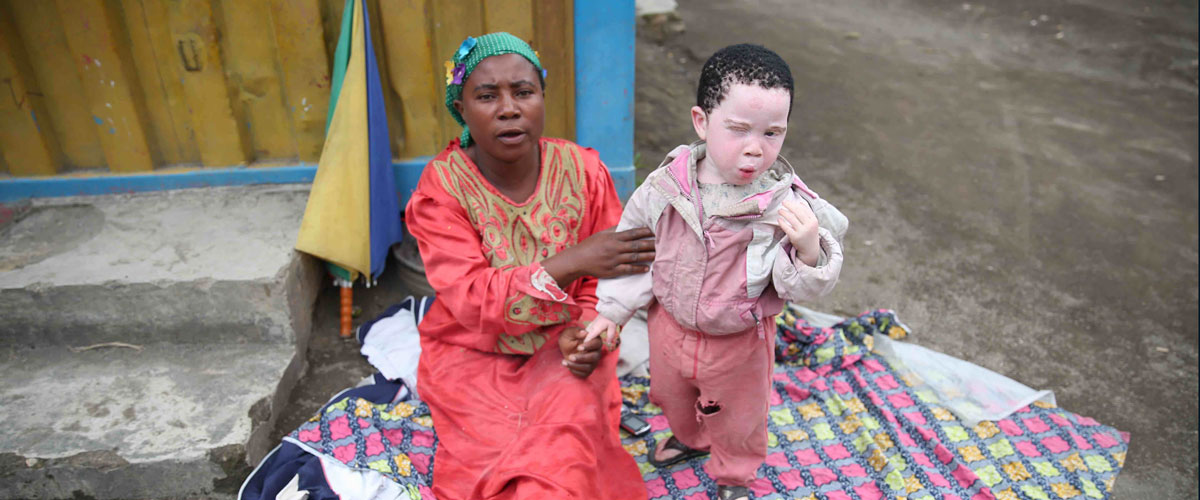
column 743, row 136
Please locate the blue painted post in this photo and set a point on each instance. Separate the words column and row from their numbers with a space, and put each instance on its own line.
column 407, row 173
column 604, row 65
column 48, row 187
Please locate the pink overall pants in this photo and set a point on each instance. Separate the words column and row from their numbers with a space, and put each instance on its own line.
column 714, row 391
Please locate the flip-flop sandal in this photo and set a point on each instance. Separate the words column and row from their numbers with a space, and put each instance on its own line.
column 685, row 454
column 732, row 492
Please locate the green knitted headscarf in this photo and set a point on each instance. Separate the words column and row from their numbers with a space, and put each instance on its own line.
column 469, row 54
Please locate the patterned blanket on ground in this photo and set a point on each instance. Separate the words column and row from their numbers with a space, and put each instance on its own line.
column 843, row 425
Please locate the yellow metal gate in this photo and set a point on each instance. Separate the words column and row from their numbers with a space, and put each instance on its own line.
column 134, row 86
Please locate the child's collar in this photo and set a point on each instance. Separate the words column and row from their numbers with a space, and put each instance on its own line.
column 681, row 166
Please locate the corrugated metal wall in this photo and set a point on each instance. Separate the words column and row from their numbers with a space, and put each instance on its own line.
column 138, row 85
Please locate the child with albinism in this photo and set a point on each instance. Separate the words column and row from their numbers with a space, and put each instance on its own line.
column 737, row 235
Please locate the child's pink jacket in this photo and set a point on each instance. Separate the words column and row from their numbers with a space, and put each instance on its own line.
column 725, row 272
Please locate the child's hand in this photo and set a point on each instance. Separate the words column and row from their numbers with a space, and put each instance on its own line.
column 800, row 224
column 601, row 325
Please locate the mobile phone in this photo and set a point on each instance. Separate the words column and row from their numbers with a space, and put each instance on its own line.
column 634, row 424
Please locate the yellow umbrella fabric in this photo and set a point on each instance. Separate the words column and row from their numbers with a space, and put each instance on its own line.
column 338, row 213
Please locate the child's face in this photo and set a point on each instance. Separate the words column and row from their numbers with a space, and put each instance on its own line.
column 502, row 103
column 743, row 133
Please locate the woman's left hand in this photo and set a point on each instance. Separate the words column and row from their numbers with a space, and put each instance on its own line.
column 606, row 254
column 579, row 357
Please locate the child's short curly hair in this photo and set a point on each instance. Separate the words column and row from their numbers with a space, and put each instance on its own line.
column 742, row 63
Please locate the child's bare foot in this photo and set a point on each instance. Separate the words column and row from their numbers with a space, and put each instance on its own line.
column 664, row 454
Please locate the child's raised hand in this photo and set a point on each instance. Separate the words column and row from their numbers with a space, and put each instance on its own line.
column 601, row 325
column 800, row 224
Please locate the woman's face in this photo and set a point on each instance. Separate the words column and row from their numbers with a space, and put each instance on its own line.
column 502, row 103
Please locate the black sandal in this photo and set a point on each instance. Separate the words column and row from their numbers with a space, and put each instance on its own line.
column 685, row 454
column 732, row 492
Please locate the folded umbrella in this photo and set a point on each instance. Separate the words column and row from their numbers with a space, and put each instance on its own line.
column 353, row 215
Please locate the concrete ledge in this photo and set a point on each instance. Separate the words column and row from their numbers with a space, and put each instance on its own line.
column 303, row 286
column 107, row 421
column 100, row 476
column 188, row 266
column 205, row 283
column 191, row 312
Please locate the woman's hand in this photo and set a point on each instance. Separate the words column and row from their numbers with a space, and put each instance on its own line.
column 606, row 254
column 578, row 356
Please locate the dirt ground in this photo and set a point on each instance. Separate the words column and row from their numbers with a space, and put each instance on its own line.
column 1023, row 199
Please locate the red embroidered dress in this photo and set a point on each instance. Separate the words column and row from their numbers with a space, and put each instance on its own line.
column 512, row 422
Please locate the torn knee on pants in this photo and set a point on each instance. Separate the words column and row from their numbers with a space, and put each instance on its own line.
column 707, row 408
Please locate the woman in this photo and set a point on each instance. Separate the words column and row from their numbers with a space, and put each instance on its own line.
column 511, row 227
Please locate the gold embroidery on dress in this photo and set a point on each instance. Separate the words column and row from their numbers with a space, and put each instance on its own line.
column 519, row 235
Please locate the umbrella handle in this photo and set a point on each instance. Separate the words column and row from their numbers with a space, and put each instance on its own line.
column 347, row 310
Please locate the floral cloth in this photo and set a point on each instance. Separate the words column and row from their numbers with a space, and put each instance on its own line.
column 843, row 426
column 396, row 439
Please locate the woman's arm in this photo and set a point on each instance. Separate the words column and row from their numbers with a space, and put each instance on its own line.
column 603, row 251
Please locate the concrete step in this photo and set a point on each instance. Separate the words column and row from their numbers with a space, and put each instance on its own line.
column 148, row 342
column 115, row 422
column 335, row 363
column 187, row 266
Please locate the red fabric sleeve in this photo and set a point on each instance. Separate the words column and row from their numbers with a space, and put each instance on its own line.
column 465, row 282
column 475, row 294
